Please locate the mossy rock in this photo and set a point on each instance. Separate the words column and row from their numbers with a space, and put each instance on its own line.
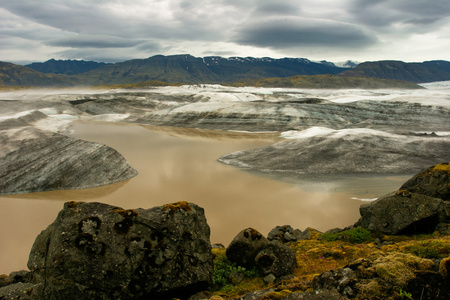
column 444, row 268
column 369, row 290
column 398, row 268
column 433, row 181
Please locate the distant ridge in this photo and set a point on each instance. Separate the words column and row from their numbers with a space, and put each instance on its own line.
column 213, row 69
column 15, row 75
column 428, row 71
column 67, row 67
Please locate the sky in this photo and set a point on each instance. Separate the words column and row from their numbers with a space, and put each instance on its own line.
column 119, row 30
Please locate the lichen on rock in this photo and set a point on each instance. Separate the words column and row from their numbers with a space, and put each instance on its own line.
column 95, row 250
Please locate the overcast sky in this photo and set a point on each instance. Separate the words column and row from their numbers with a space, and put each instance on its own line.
column 118, row 30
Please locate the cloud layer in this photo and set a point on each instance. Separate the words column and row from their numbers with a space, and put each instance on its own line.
column 116, row 30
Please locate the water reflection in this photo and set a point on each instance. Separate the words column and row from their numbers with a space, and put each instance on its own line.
column 72, row 195
column 180, row 164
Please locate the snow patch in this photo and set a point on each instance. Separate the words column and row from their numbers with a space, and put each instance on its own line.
column 16, row 115
column 324, row 131
column 110, row 117
column 365, row 199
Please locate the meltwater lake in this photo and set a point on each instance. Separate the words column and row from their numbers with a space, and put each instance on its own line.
column 180, row 164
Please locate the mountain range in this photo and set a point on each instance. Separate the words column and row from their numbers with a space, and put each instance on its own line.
column 213, row 69
column 188, row 69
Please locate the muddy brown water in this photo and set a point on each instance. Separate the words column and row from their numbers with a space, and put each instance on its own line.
column 176, row 164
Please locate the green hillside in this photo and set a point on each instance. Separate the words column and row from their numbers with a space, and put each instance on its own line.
column 15, row 75
column 414, row 72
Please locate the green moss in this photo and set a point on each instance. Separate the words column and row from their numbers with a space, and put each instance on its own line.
column 356, row 235
column 430, row 248
column 369, row 290
column 398, row 268
column 276, row 295
column 223, row 268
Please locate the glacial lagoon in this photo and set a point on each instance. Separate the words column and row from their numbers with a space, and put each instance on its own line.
column 179, row 164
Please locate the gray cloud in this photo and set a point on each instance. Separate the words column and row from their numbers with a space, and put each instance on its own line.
column 94, row 41
column 110, row 56
column 141, row 28
column 387, row 13
column 276, row 7
column 301, row 32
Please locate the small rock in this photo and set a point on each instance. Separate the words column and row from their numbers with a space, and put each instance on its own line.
column 218, row 246
column 298, row 234
column 236, row 277
column 288, row 237
column 269, row 279
column 307, row 234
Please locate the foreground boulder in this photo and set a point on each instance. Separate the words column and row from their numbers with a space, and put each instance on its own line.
column 276, row 259
column 98, row 251
column 251, row 249
column 245, row 246
column 433, row 181
column 403, row 213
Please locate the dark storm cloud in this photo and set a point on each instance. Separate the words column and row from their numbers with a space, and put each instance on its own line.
column 385, row 13
column 73, row 16
column 301, row 32
column 141, row 28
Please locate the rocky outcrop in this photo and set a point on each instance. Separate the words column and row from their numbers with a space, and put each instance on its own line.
column 381, row 275
column 98, row 251
column 286, row 234
column 34, row 160
column 433, row 181
column 403, row 213
column 321, row 150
